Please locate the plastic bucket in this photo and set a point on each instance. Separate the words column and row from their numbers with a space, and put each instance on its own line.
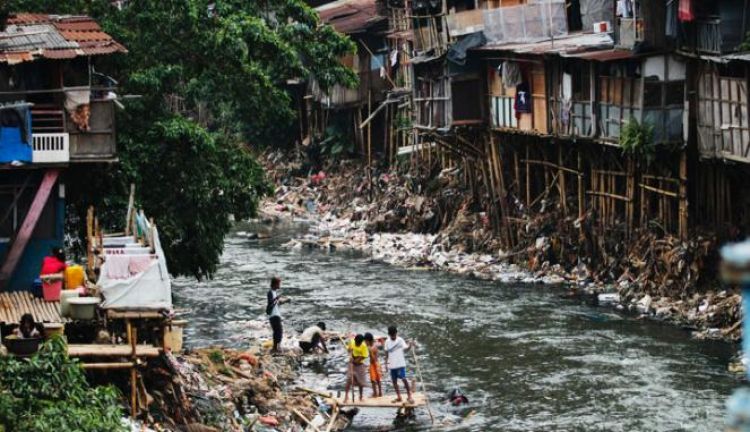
column 51, row 290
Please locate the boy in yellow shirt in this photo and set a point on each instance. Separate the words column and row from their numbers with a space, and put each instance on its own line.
column 359, row 352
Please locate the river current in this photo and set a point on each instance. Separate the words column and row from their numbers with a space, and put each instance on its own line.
column 528, row 359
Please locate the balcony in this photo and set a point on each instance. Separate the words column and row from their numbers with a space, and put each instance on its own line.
column 56, row 137
column 466, row 22
column 702, row 36
column 49, row 148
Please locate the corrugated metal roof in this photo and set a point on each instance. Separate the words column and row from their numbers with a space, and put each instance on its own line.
column 351, row 16
column 606, row 55
column 31, row 36
column 564, row 46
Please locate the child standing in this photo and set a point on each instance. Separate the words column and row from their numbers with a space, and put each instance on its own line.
column 358, row 354
column 395, row 361
column 375, row 378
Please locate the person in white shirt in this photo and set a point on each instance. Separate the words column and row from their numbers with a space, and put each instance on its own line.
column 313, row 338
column 395, row 361
column 274, row 312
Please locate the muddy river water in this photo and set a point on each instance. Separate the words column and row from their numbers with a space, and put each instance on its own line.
column 528, row 359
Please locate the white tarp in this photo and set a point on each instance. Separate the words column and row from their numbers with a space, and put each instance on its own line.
column 148, row 289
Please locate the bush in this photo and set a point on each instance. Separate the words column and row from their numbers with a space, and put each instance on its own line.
column 49, row 393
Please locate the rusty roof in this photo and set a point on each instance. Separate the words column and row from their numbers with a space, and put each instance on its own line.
column 28, row 37
column 351, row 16
column 606, row 55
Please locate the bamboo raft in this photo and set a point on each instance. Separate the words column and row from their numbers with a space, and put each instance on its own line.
column 386, row 401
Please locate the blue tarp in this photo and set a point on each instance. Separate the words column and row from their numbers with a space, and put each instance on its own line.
column 14, row 146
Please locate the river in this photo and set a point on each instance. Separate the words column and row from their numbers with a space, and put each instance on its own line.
column 528, row 359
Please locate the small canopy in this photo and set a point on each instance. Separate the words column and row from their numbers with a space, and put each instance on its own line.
column 132, row 279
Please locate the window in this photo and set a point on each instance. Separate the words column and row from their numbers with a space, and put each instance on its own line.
column 674, row 93
column 652, row 94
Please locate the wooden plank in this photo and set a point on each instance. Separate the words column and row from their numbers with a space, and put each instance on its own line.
column 145, row 314
column 105, row 366
column 384, row 402
column 27, row 228
column 112, row 351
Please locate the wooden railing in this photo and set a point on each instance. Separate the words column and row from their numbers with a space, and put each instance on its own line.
column 50, row 148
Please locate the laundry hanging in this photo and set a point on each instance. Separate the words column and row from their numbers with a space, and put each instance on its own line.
column 685, row 11
column 523, row 99
column 511, row 74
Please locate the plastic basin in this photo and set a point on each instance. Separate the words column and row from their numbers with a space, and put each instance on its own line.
column 22, row 347
column 83, row 308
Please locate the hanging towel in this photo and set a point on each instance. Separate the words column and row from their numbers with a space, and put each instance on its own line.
column 685, row 11
column 118, row 266
column 523, row 99
column 139, row 263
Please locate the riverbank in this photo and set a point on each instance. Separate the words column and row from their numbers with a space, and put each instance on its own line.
column 409, row 220
column 219, row 389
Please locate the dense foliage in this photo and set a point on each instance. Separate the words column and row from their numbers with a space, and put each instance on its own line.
column 212, row 76
column 49, row 393
column 637, row 139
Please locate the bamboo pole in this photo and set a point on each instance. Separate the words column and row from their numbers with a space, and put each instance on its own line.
column 305, row 419
column 498, row 165
column 528, row 180
column 131, row 203
column 106, row 366
column 581, row 191
column 563, row 188
column 683, row 203
column 132, row 339
column 421, row 382
column 334, row 416
column 369, row 144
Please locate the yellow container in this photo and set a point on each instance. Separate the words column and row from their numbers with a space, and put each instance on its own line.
column 74, row 277
column 173, row 335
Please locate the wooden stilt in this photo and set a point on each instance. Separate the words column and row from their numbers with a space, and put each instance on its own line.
column 528, row 180
column 683, row 203
column 581, row 191
column 561, row 182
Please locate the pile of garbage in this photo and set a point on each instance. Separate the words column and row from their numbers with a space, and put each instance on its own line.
column 433, row 221
column 219, row 389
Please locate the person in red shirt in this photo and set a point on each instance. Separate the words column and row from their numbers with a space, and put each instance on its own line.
column 55, row 263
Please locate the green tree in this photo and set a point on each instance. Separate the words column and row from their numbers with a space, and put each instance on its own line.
column 212, row 76
column 48, row 393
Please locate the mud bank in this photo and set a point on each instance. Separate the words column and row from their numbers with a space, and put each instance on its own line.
column 432, row 222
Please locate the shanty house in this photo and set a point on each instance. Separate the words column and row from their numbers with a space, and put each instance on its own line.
column 345, row 108
column 57, row 111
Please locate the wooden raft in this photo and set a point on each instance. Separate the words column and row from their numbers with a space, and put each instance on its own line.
column 14, row 304
column 384, row 401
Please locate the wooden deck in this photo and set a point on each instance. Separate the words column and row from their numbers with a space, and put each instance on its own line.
column 92, row 350
column 384, row 402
